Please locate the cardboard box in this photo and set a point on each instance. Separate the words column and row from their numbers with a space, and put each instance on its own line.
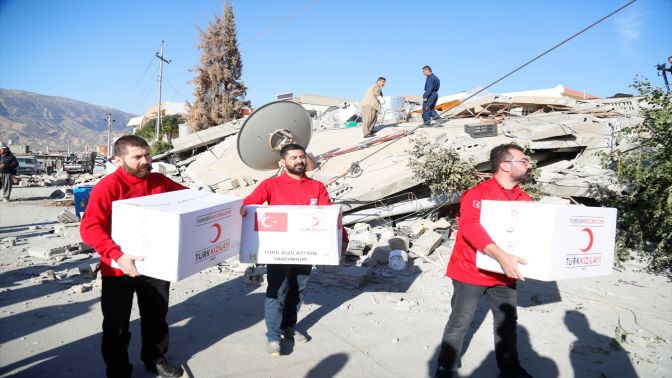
column 178, row 233
column 305, row 235
column 558, row 241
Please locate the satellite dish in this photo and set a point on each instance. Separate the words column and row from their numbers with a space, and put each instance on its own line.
column 270, row 128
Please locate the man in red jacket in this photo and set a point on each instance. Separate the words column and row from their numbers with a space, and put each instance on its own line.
column 132, row 179
column 287, row 283
column 510, row 167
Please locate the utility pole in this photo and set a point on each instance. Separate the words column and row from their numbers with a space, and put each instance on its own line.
column 158, row 112
column 109, row 133
column 663, row 70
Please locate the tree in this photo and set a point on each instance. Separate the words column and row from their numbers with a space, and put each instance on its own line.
column 169, row 127
column 440, row 168
column 645, row 206
column 219, row 92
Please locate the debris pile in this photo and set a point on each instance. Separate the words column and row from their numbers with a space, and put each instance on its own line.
column 370, row 178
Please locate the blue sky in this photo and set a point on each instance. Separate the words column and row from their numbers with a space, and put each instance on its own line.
column 102, row 51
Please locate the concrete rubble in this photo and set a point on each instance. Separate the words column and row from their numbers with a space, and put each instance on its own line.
column 387, row 212
column 558, row 129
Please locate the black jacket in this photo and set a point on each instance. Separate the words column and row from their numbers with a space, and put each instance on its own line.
column 10, row 162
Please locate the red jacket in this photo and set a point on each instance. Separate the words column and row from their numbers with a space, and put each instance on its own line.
column 471, row 236
column 96, row 226
column 284, row 190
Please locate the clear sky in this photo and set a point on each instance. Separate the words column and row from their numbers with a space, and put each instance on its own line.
column 102, row 51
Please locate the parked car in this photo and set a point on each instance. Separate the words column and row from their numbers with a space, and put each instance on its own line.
column 41, row 168
column 28, row 165
column 80, row 162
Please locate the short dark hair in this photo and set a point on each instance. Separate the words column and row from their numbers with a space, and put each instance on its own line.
column 381, row 78
column 290, row 147
column 121, row 145
column 501, row 154
column 428, row 68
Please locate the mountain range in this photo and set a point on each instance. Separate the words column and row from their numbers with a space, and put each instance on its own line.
column 51, row 122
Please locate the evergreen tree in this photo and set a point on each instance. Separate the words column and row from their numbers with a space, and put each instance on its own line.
column 219, row 93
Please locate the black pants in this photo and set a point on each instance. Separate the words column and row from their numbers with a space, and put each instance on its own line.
column 284, row 296
column 116, row 302
column 502, row 301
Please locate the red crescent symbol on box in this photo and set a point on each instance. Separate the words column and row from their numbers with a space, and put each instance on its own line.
column 219, row 232
column 590, row 239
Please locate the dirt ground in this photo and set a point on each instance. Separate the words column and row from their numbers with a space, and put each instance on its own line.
column 614, row 326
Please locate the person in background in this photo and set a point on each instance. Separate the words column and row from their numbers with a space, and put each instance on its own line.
column 431, row 95
column 8, row 166
column 49, row 163
column 511, row 167
column 373, row 97
column 132, row 179
column 287, row 282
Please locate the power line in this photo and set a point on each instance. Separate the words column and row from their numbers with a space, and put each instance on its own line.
column 175, row 89
column 541, row 55
column 284, row 20
column 137, row 82
column 510, row 73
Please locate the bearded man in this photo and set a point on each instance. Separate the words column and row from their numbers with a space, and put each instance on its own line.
column 510, row 168
column 132, row 179
column 287, row 283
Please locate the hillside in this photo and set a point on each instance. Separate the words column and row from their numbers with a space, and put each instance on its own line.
column 48, row 121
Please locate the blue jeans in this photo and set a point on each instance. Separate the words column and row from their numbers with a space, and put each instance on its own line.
column 503, row 302
column 428, row 111
column 284, row 296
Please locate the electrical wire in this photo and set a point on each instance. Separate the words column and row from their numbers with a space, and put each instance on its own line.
column 510, row 73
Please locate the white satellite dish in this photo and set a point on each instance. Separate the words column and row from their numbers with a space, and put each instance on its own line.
column 270, row 128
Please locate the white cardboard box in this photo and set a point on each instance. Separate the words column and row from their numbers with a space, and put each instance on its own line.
column 305, row 235
column 557, row 241
column 178, row 233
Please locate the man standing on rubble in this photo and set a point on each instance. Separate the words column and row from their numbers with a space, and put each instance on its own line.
column 431, row 95
column 132, row 179
column 373, row 97
column 8, row 166
column 287, row 282
column 511, row 167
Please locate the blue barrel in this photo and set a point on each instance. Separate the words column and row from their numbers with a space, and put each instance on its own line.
column 81, row 198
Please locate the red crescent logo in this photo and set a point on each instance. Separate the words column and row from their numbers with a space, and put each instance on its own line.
column 590, row 239
column 218, row 227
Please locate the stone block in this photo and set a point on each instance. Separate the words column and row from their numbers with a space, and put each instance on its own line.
column 89, row 270
column 56, row 247
column 255, row 276
column 8, row 242
column 386, row 233
column 347, row 276
column 68, row 217
column 427, row 243
column 399, row 242
column 362, row 232
column 356, row 248
column 380, row 253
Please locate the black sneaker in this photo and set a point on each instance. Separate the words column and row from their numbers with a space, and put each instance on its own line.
column 518, row 372
column 442, row 372
column 164, row 369
column 296, row 335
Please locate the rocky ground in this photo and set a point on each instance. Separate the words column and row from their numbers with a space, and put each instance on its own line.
column 614, row 326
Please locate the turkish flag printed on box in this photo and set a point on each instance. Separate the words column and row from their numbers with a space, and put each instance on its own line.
column 306, row 235
column 270, row 222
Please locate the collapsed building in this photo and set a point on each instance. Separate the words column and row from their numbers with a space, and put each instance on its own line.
column 370, row 178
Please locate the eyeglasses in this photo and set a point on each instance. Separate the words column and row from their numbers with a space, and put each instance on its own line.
column 525, row 161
